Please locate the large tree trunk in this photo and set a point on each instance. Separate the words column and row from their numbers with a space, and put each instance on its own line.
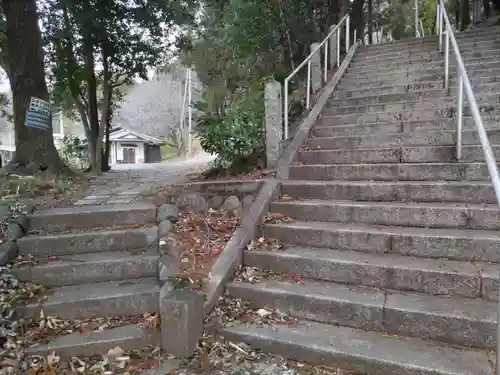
column 370, row 22
column 35, row 150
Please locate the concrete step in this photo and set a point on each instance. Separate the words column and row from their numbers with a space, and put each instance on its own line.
column 96, row 343
column 92, row 217
column 91, row 268
column 115, row 298
column 411, row 214
column 432, row 67
column 362, row 59
column 392, row 172
column 456, row 244
column 353, row 92
column 489, row 113
column 430, row 138
column 419, row 154
column 380, row 96
column 457, row 321
column 405, row 273
column 325, row 127
column 87, row 242
column 360, row 351
column 392, row 191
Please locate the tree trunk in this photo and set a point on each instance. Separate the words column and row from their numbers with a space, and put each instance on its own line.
column 35, row 150
column 107, row 148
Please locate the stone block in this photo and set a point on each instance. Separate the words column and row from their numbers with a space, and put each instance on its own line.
column 215, row 202
column 247, row 202
column 164, row 228
column 167, row 212
column 315, row 69
column 273, row 121
column 168, row 267
column 14, row 231
column 231, row 203
column 181, row 313
column 193, row 201
column 8, row 250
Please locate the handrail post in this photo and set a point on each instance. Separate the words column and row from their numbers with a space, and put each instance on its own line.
column 285, row 105
column 446, row 59
column 325, row 68
column 347, row 34
column 190, row 112
column 308, row 93
column 338, row 47
column 460, row 106
column 440, row 29
column 416, row 19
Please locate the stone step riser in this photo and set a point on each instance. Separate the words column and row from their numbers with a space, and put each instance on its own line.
column 469, row 137
column 129, row 337
column 347, row 90
column 364, row 59
column 400, row 94
column 360, row 351
column 377, row 214
column 59, row 273
column 91, row 242
column 487, row 103
column 92, row 217
column 397, row 192
column 429, row 68
column 489, row 113
column 391, row 172
column 132, row 304
column 326, row 129
column 403, row 278
column 394, row 316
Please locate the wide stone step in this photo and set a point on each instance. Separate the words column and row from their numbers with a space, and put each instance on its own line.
column 418, row 154
column 490, row 112
column 405, row 273
column 91, row 268
column 350, row 90
column 457, row 244
column 404, row 191
column 453, row 320
column 411, row 214
column 97, row 343
column 107, row 299
column 405, row 93
column 436, row 138
column 360, row 351
column 325, row 127
column 92, row 217
column 421, row 66
column 364, row 59
column 392, row 172
column 88, row 242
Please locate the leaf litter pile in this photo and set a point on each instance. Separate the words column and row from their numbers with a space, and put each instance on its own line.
column 202, row 238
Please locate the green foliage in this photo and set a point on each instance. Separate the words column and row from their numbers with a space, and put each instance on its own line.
column 233, row 131
column 74, row 152
column 174, row 143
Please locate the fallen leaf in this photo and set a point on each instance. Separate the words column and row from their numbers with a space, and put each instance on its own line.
column 295, row 277
column 216, row 250
column 86, row 327
column 51, row 258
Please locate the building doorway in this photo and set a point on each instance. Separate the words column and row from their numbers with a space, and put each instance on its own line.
column 128, row 155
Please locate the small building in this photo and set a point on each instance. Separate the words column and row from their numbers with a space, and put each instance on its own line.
column 129, row 147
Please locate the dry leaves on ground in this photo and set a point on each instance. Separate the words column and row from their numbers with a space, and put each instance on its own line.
column 266, row 244
column 255, row 275
column 202, row 238
column 277, row 218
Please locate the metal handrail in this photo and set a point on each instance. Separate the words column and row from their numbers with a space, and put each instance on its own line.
column 422, row 32
column 464, row 85
column 187, row 98
column 307, row 61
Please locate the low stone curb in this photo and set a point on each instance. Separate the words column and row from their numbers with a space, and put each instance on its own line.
column 231, row 256
column 17, row 228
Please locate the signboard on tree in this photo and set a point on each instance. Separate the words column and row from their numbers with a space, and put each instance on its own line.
column 38, row 114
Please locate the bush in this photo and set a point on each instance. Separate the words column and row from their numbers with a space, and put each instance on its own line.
column 74, row 152
column 233, row 129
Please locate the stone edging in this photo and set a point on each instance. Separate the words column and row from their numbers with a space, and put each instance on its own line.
column 288, row 156
column 232, row 255
column 17, row 228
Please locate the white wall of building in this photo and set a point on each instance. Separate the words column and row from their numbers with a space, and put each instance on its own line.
column 117, row 151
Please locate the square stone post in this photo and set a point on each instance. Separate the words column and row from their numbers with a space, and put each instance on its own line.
column 274, row 121
column 315, row 69
column 333, row 47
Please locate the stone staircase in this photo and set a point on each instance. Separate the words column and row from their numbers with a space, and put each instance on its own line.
column 98, row 262
column 396, row 242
